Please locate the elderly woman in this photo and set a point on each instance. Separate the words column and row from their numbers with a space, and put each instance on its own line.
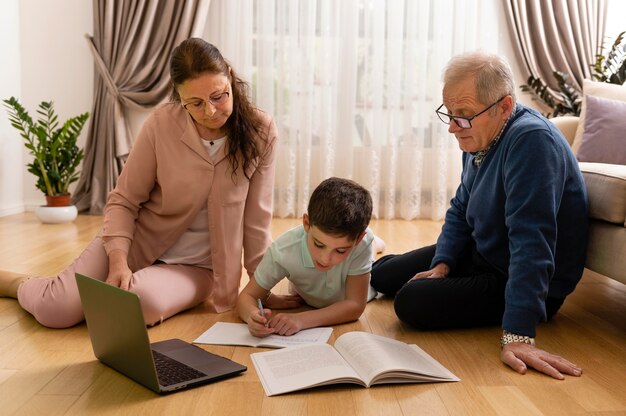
column 513, row 243
column 195, row 192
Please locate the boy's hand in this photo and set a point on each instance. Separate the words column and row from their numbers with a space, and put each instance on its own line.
column 284, row 301
column 257, row 324
column 286, row 324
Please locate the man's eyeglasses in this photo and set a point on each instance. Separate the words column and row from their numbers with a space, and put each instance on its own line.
column 462, row 122
column 199, row 106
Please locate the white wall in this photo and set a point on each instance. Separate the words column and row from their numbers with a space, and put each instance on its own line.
column 11, row 195
column 56, row 64
column 47, row 58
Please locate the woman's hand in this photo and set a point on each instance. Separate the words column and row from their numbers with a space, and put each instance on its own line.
column 283, row 301
column 119, row 272
column 440, row 270
column 519, row 356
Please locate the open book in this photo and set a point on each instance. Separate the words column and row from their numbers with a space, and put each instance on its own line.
column 226, row 333
column 358, row 357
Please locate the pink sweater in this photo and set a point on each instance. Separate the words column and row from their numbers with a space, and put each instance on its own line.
column 168, row 177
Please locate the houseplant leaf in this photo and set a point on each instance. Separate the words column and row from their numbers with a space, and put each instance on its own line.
column 53, row 146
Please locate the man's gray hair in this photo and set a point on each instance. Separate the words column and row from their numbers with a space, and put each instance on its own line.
column 492, row 74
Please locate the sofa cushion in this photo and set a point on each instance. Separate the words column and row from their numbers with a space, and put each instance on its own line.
column 596, row 89
column 606, row 190
column 604, row 135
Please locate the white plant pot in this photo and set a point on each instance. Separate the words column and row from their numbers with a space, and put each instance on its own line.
column 56, row 215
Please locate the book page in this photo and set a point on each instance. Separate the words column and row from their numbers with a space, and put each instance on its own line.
column 301, row 367
column 372, row 356
column 227, row 333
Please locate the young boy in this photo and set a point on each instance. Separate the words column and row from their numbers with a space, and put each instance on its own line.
column 327, row 260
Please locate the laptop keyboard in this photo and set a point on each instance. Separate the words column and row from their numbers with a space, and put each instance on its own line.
column 171, row 371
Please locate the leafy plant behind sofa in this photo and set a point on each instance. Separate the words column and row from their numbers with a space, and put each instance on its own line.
column 610, row 69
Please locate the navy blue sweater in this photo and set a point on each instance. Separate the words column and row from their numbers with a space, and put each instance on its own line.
column 525, row 208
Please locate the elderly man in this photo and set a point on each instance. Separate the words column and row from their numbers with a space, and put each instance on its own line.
column 514, row 239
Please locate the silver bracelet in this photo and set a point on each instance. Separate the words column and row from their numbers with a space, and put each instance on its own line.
column 267, row 297
column 509, row 337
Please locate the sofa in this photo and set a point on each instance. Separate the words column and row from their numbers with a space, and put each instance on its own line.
column 598, row 139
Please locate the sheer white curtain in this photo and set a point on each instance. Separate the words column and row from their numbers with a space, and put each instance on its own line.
column 353, row 85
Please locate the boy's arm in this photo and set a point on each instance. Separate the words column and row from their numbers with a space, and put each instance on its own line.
column 247, row 306
column 349, row 309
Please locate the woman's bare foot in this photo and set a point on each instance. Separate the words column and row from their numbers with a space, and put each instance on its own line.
column 9, row 282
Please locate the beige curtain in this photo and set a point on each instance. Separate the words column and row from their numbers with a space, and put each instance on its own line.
column 353, row 86
column 563, row 35
column 131, row 45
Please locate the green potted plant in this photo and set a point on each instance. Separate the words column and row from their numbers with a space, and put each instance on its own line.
column 56, row 156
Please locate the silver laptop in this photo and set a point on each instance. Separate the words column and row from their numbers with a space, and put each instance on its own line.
column 120, row 340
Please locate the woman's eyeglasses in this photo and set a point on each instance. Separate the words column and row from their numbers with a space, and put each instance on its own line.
column 199, row 106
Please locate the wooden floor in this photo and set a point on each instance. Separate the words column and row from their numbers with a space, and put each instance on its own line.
column 53, row 372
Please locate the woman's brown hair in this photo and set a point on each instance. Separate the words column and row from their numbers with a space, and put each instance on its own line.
column 194, row 57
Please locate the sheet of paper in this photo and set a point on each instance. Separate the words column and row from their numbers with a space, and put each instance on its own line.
column 227, row 333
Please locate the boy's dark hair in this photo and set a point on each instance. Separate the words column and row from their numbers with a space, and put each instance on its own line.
column 340, row 207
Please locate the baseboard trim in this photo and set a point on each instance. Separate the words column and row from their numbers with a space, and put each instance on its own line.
column 12, row 210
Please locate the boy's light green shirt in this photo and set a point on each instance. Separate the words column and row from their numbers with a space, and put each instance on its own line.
column 288, row 257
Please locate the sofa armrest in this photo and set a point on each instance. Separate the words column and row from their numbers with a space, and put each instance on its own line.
column 567, row 125
column 606, row 190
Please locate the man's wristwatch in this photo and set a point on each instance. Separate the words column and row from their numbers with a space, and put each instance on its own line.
column 509, row 337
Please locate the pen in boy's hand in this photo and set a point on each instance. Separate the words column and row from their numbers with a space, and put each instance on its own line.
column 261, row 308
